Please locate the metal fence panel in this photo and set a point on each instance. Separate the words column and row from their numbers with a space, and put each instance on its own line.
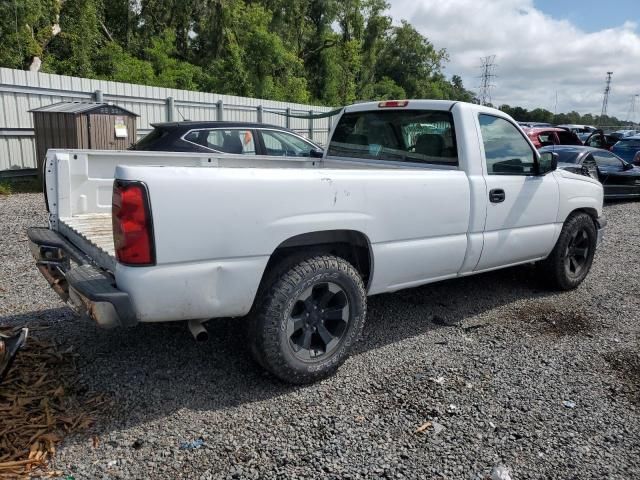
column 21, row 91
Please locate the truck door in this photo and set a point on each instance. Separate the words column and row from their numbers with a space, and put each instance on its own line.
column 522, row 206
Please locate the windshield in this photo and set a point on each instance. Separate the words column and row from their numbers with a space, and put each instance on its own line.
column 149, row 139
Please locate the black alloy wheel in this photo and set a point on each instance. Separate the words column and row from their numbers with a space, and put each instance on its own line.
column 318, row 321
column 577, row 253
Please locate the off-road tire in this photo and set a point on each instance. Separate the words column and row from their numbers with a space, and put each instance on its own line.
column 270, row 343
column 554, row 268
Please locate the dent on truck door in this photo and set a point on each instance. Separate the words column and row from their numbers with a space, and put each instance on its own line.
column 522, row 206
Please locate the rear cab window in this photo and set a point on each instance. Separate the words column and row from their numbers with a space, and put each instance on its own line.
column 409, row 136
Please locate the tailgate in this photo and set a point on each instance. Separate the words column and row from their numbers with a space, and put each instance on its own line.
column 93, row 235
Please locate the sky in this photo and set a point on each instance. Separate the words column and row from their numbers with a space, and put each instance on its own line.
column 541, row 47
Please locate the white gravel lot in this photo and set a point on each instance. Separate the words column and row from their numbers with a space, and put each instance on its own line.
column 546, row 384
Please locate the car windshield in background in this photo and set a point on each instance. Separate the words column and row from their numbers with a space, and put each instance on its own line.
column 629, row 143
column 565, row 156
column 418, row 136
column 150, row 138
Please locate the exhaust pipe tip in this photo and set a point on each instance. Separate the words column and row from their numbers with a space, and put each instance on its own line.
column 198, row 331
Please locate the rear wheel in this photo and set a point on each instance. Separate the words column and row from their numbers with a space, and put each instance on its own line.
column 571, row 258
column 308, row 320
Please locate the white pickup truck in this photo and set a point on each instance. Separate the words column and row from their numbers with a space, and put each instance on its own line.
column 407, row 193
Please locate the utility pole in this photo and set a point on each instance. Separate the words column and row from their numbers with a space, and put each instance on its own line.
column 487, row 67
column 605, row 100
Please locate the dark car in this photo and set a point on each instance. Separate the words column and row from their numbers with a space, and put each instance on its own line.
column 240, row 138
column 620, row 179
column 599, row 139
column 627, row 147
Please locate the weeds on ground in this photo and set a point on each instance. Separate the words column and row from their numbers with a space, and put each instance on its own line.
column 21, row 185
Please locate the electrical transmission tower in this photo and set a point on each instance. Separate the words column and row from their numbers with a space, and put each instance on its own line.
column 487, row 66
column 605, row 100
column 631, row 114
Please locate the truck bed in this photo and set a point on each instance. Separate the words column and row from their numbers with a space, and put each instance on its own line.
column 93, row 234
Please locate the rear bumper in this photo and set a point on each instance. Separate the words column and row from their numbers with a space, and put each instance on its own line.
column 601, row 224
column 88, row 289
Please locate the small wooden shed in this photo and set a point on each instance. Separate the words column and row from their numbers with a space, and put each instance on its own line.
column 97, row 126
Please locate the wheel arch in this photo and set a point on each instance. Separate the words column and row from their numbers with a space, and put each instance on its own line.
column 351, row 245
column 592, row 212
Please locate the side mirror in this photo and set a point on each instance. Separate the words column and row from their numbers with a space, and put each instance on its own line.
column 316, row 153
column 547, row 162
column 636, row 160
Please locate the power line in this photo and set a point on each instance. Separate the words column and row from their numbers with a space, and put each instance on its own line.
column 605, row 99
column 487, row 67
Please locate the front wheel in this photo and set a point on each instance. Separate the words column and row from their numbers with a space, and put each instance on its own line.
column 571, row 259
column 307, row 322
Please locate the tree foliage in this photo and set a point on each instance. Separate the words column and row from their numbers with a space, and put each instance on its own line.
column 328, row 51
column 541, row 115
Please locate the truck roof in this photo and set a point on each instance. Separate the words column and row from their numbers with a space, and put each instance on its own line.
column 402, row 104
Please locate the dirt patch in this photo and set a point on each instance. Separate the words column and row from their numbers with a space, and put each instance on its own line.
column 40, row 403
column 552, row 321
column 626, row 365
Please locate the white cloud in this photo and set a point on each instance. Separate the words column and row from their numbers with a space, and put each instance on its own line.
column 536, row 55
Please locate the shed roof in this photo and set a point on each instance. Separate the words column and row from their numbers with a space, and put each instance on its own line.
column 78, row 107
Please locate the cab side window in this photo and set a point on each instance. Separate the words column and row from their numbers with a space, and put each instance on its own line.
column 506, row 150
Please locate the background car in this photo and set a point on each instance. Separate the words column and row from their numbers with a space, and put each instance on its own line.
column 578, row 128
column 599, row 139
column 619, row 178
column 541, row 136
column 534, row 124
column 624, row 133
column 227, row 137
column 627, row 147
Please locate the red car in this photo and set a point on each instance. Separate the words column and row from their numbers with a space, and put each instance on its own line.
column 543, row 136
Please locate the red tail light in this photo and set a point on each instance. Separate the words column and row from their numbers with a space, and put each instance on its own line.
column 132, row 226
column 393, row 103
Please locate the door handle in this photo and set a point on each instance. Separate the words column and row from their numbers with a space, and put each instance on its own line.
column 496, row 195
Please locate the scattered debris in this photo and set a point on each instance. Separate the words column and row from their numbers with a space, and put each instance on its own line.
column 438, row 380
column 39, row 406
column 359, row 418
column 9, row 346
column 137, row 445
column 422, row 427
column 471, row 328
column 437, row 428
column 452, row 409
column 569, row 404
column 500, row 472
column 193, row 445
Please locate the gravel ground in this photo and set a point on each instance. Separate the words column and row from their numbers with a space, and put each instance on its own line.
column 508, row 374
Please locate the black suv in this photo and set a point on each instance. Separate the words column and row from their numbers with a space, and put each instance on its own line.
column 239, row 138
